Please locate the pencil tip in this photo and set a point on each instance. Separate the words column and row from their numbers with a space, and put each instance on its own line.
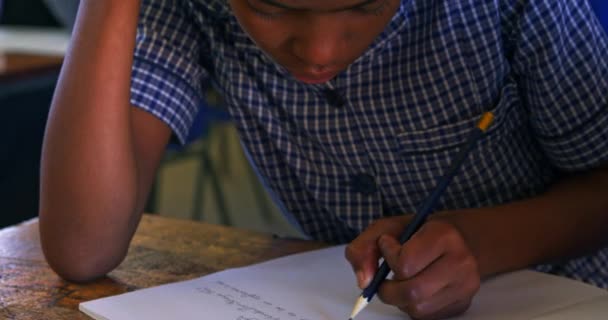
column 361, row 303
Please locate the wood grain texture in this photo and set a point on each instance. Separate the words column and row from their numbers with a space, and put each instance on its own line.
column 163, row 250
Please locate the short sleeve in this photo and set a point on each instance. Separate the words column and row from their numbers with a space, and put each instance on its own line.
column 560, row 58
column 167, row 79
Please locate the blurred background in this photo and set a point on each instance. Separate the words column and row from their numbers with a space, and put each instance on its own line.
column 208, row 180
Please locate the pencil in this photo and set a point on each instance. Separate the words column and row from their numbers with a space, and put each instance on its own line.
column 424, row 210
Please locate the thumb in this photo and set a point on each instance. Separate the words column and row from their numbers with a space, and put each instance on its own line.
column 363, row 252
column 363, row 258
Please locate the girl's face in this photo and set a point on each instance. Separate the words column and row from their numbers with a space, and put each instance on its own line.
column 314, row 39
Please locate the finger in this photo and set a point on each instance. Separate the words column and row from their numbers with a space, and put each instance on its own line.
column 428, row 283
column 363, row 257
column 391, row 251
column 442, row 284
column 363, row 252
column 440, row 306
column 455, row 309
column 415, row 255
column 428, row 244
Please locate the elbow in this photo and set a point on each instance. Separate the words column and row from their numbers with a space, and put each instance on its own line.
column 76, row 246
column 80, row 241
column 78, row 268
column 75, row 272
column 76, row 261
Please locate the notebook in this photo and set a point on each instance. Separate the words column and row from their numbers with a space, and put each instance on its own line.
column 319, row 285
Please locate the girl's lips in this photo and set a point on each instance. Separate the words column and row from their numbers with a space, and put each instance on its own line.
column 315, row 79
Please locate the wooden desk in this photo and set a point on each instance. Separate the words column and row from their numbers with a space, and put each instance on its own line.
column 14, row 66
column 163, row 250
column 27, row 51
column 22, row 73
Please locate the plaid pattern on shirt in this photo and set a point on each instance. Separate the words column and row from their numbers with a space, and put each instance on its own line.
column 371, row 142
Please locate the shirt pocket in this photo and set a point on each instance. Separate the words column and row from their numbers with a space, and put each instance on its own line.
column 425, row 155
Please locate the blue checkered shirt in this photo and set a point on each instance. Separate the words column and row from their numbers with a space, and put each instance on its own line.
column 371, row 142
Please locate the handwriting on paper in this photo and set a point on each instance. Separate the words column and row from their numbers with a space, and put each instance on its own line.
column 251, row 305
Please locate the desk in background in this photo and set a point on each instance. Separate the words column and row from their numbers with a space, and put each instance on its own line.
column 30, row 58
column 163, row 250
column 23, row 73
column 14, row 66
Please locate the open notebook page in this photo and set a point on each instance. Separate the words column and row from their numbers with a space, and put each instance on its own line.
column 319, row 285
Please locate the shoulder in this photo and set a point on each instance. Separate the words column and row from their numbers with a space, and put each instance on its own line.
column 201, row 12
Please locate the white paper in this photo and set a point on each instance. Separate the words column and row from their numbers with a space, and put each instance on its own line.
column 41, row 41
column 320, row 285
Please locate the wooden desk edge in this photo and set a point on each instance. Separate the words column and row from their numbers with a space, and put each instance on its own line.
column 15, row 66
column 163, row 250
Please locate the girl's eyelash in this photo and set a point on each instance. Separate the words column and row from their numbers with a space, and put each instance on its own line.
column 266, row 15
column 375, row 11
column 270, row 16
column 262, row 14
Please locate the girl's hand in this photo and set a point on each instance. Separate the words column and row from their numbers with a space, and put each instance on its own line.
column 435, row 272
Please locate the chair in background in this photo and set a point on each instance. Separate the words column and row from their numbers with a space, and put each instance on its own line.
column 197, row 147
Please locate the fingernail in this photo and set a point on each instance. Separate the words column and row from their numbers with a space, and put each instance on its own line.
column 382, row 242
column 360, row 279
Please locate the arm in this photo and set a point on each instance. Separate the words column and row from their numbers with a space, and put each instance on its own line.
column 569, row 220
column 95, row 171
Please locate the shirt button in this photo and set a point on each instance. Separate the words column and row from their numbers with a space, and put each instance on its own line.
column 364, row 183
column 334, row 98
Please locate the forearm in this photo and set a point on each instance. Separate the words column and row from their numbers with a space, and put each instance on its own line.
column 564, row 222
column 89, row 174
